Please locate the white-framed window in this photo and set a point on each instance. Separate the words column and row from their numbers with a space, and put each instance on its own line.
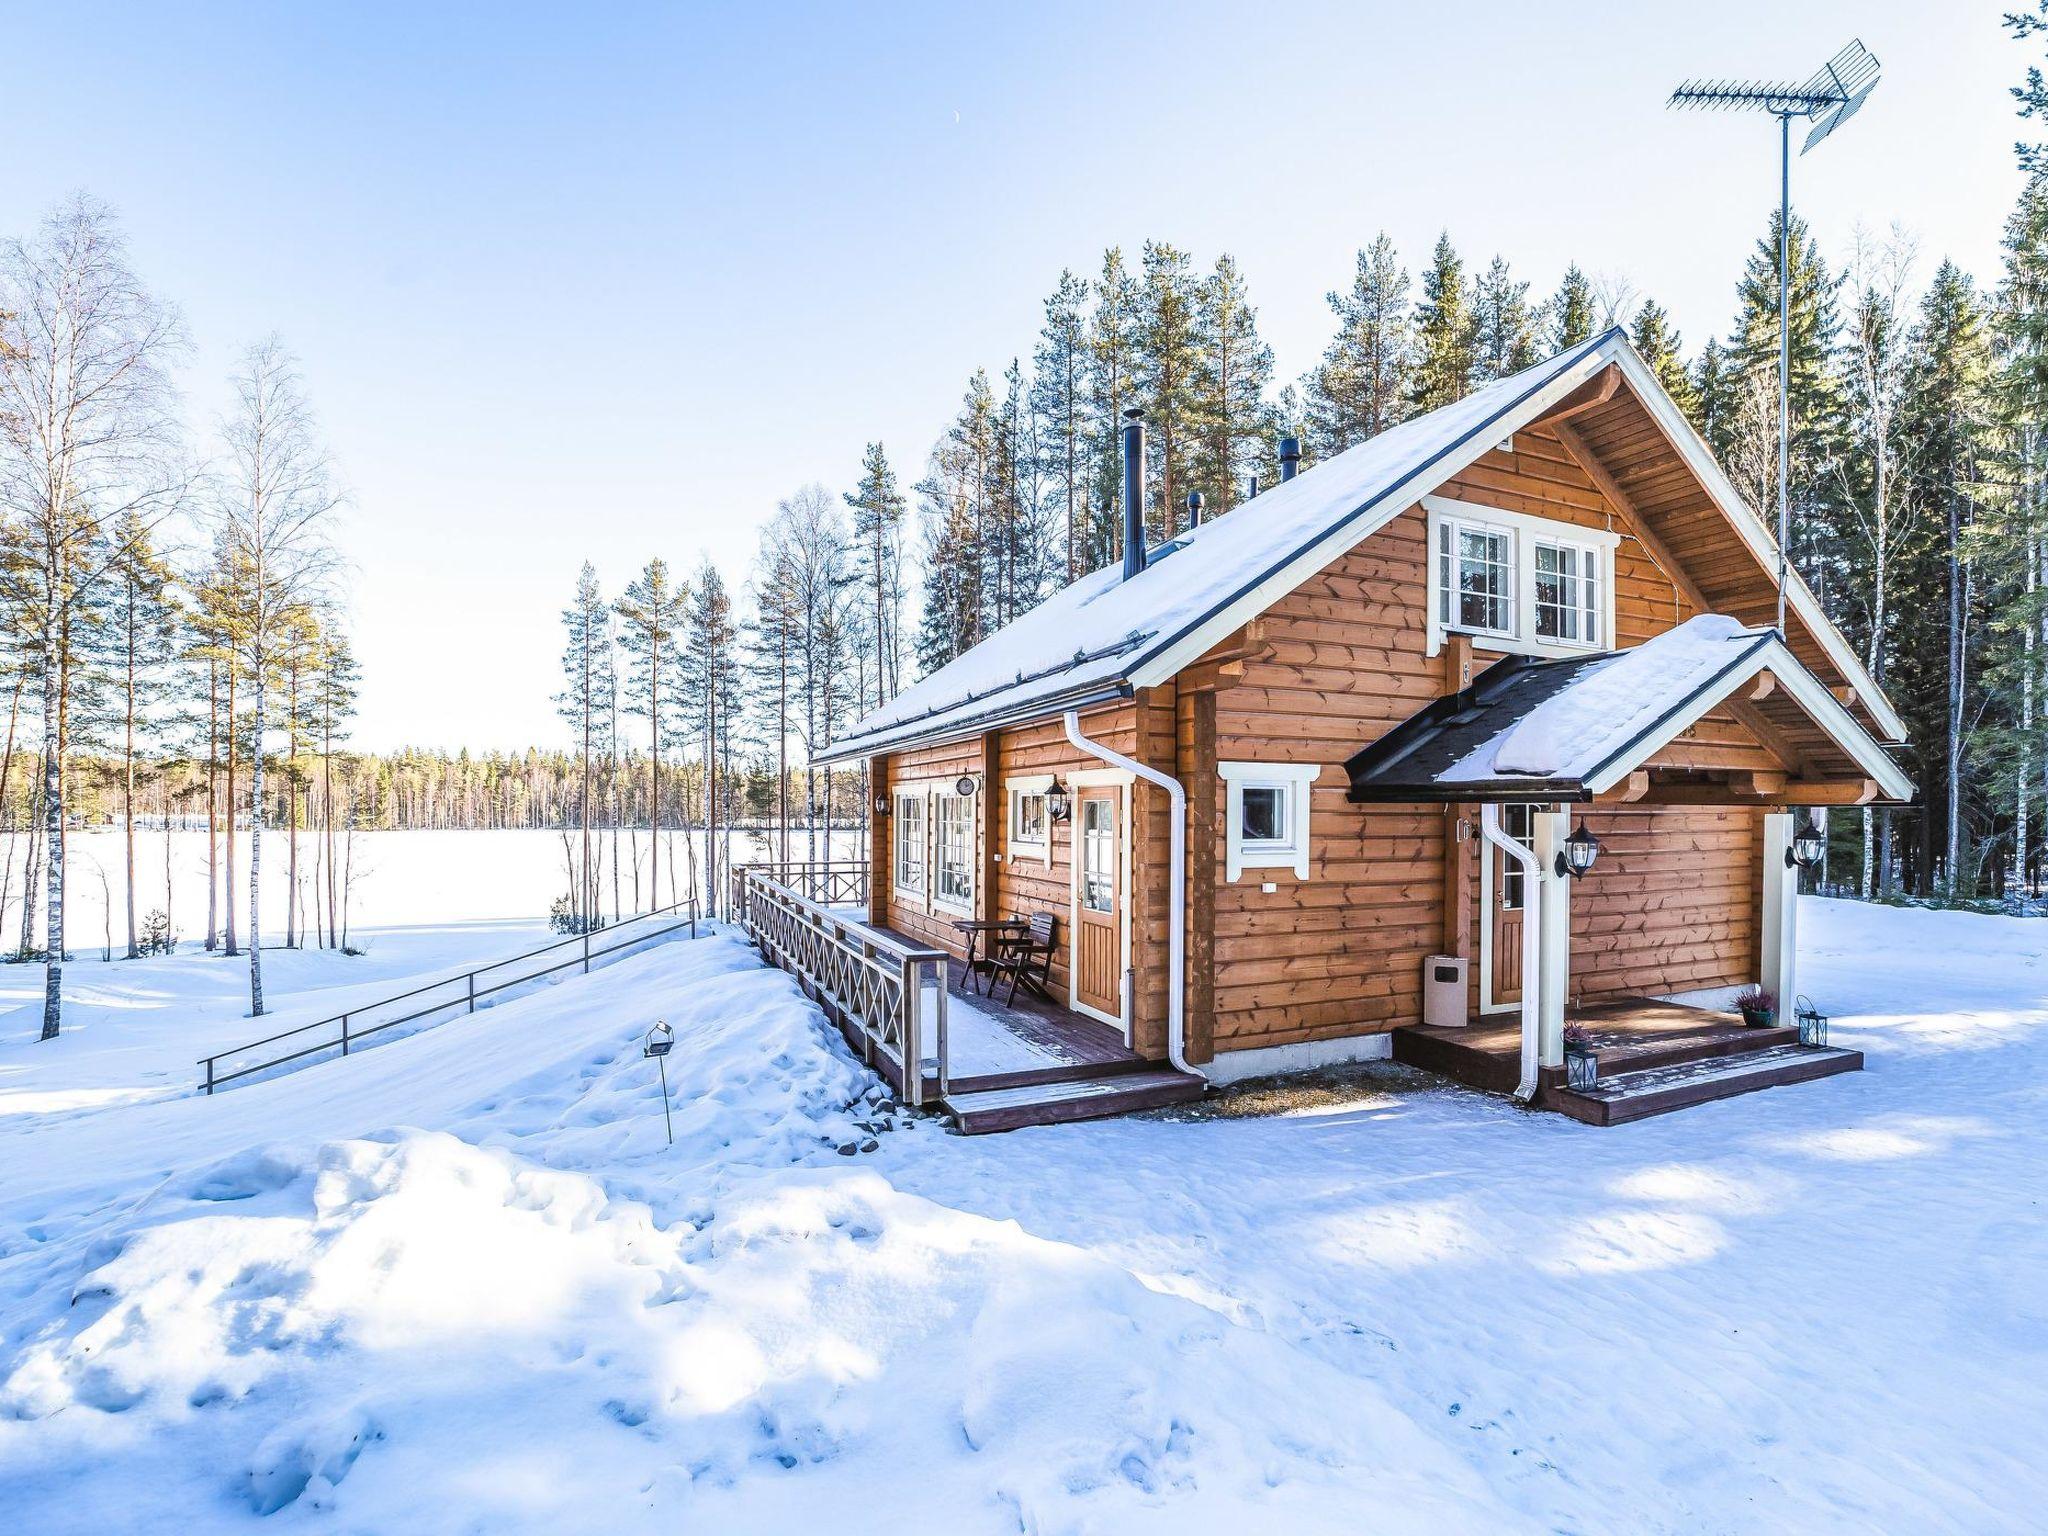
column 1030, row 822
column 1568, row 604
column 1475, row 578
column 1266, row 816
column 1516, row 582
column 909, row 833
column 953, row 851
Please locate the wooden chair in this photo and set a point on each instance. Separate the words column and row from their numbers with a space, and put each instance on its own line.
column 1025, row 957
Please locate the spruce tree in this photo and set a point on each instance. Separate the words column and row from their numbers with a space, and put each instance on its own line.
column 1569, row 315
column 1361, row 386
column 1659, row 345
column 1443, row 333
column 1503, row 329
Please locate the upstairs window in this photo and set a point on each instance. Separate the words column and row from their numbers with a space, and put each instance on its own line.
column 1518, row 583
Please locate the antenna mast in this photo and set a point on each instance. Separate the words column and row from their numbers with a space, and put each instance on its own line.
column 1828, row 100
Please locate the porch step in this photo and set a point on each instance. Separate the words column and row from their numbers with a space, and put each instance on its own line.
column 1658, row 1090
column 1076, row 1098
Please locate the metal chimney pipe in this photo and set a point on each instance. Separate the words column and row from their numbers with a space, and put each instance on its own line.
column 1290, row 458
column 1253, row 493
column 1194, row 509
column 1134, row 492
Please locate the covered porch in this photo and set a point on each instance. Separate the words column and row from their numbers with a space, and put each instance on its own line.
column 1690, row 765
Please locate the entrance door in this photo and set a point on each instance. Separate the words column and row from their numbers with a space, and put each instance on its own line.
column 1509, row 900
column 1098, row 903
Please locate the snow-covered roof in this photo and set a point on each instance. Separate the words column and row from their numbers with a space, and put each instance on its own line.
column 1103, row 637
column 1545, row 730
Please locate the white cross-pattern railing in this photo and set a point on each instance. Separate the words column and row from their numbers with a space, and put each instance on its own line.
column 891, row 994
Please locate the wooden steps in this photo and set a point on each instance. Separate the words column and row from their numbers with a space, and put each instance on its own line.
column 1659, row 1089
column 1085, row 1095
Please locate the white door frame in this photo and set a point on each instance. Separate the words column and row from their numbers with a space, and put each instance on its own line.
column 1489, row 857
column 1101, row 778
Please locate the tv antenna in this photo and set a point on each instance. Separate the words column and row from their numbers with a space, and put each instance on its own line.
column 1827, row 101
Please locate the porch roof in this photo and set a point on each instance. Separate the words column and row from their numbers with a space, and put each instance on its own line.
column 1575, row 728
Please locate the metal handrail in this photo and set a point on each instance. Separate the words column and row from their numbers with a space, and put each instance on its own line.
column 346, row 1039
column 858, row 974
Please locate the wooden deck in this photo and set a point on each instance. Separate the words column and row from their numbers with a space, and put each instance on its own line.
column 1654, row 1057
column 1063, row 1065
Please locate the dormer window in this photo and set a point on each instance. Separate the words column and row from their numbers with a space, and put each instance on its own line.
column 1518, row 583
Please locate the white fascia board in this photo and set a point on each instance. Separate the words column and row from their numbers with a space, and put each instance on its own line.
column 1699, row 458
column 1827, row 711
column 1362, row 523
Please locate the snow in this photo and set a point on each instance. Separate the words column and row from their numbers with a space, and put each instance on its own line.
column 1610, row 702
column 462, row 1283
column 1094, row 633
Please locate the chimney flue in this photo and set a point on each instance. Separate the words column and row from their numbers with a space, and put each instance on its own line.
column 1194, row 509
column 1134, row 492
column 1290, row 458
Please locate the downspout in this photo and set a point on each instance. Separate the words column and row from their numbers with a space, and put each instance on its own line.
column 1532, row 923
column 1176, row 925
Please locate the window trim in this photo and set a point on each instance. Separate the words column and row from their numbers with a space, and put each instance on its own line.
column 1525, row 531
column 1014, row 791
column 1294, row 781
column 940, row 796
column 920, row 795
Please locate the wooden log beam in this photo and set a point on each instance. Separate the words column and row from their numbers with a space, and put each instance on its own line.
column 1759, row 687
column 1204, row 837
column 1589, row 396
column 1628, row 791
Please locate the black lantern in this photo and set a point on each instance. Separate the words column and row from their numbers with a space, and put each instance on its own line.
column 1576, row 857
column 1057, row 803
column 1808, row 844
column 881, row 805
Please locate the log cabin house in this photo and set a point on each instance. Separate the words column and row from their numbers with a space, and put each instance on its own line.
column 1297, row 784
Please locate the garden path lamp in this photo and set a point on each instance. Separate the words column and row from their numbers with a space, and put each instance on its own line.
column 1576, row 857
column 660, row 1041
column 1808, row 844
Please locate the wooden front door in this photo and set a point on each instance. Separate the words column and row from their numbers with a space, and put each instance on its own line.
column 1508, row 904
column 1098, row 902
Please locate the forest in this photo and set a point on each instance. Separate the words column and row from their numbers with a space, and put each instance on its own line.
column 174, row 647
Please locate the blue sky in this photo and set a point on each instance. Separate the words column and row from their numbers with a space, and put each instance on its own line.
column 606, row 281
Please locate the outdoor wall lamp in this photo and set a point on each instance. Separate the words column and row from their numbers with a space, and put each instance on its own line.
column 1057, row 803
column 881, row 805
column 1576, row 857
column 1808, row 845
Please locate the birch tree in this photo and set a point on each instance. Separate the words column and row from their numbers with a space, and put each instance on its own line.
column 88, row 438
column 278, row 496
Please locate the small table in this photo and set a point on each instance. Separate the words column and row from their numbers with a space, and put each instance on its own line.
column 975, row 931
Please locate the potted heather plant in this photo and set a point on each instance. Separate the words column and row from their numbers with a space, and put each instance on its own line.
column 1758, row 1005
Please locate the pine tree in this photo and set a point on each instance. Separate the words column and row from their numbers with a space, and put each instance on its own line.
column 1234, row 371
column 1503, row 329
column 651, row 612
column 1361, row 387
column 1569, row 315
column 1444, row 354
column 1113, row 344
column 878, row 509
column 145, row 631
column 587, row 669
column 709, row 668
column 1059, row 401
column 1169, row 365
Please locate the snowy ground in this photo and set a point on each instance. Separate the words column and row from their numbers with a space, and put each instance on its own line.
column 461, row 1284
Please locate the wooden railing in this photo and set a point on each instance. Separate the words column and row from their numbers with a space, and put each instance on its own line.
column 828, row 882
column 888, row 994
column 345, row 1033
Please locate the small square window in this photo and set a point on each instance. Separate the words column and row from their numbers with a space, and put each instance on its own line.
column 1265, row 813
